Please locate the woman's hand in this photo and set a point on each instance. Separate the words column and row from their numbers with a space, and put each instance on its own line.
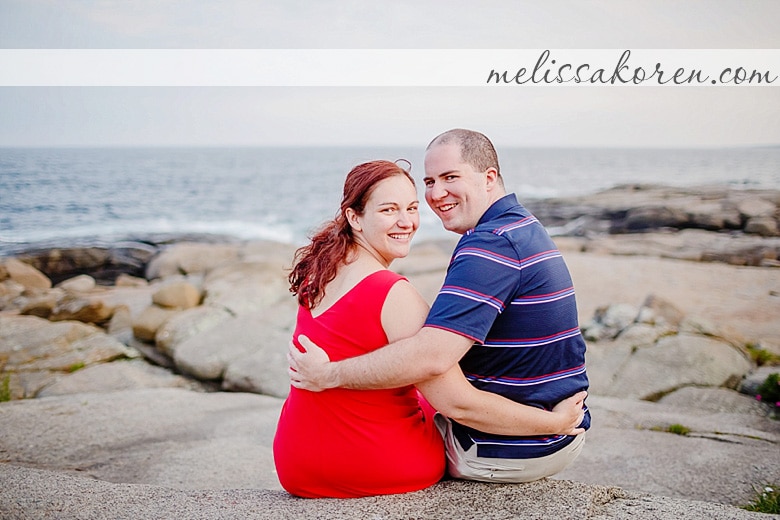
column 571, row 412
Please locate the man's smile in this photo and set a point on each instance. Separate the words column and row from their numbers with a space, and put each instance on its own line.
column 446, row 207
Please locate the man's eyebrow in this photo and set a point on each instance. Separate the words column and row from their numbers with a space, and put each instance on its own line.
column 442, row 174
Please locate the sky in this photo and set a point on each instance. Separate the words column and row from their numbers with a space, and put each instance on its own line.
column 404, row 116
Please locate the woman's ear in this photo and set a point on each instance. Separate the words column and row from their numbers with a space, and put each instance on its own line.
column 352, row 219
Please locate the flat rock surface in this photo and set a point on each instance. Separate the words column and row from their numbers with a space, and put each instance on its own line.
column 31, row 493
column 745, row 299
column 721, row 459
column 206, row 452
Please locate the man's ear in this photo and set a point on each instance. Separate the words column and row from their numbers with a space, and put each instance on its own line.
column 352, row 219
column 492, row 179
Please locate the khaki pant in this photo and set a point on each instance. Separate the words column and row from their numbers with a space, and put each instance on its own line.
column 465, row 464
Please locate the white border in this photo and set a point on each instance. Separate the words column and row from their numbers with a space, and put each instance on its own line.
column 386, row 67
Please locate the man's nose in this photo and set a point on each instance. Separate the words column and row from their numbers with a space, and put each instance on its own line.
column 436, row 191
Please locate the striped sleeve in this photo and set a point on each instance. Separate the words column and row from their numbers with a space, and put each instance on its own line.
column 476, row 287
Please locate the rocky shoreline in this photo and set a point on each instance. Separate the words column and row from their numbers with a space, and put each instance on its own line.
column 704, row 223
column 678, row 292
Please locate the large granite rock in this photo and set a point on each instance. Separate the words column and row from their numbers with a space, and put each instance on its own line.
column 715, row 400
column 151, row 319
column 638, row 207
column 263, row 371
column 177, row 295
column 726, row 454
column 78, row 284
column 35, row 353
column 703, row 223
column 32, row 493
column 104, row 262
column 26, row 275
column 203, row 454
column 190, row 258
column 651, row 351
column 246, row 287
column 133, row 374
column 159, row 436
column 180, row 326
column 688, row 244
column 207, row 355
column 622, row 369
column 246, row 318
column 86, row 310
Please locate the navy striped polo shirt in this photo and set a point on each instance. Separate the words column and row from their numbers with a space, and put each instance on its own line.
column 508, row 288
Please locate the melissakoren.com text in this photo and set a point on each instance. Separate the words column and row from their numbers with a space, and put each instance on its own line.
column 550, row 71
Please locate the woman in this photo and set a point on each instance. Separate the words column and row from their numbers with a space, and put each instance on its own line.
column 352, row 443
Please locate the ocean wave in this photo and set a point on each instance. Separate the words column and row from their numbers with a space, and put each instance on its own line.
column 118, row 230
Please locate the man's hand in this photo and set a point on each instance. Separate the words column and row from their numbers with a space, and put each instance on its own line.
column 571, row 412
column 312, row 369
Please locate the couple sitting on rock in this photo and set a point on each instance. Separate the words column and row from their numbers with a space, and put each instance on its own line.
column 489, row 385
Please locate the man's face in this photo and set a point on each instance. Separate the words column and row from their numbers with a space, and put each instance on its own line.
column 453, row 189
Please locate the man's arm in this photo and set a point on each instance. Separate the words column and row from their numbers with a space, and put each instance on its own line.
column 449, row 393
column 429, row 353
column 452, row 395
column 413, row 355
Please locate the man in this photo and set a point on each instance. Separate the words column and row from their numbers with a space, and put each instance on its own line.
column 506, row 312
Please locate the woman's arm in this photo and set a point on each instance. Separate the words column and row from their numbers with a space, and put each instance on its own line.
column 451, row 394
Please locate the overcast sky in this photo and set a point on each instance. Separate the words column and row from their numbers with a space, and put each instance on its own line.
column 522, row 116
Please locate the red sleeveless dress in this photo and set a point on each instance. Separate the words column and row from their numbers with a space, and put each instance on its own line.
column 353, row 443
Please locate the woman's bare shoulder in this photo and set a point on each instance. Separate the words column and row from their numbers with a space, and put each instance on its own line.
column 404, row 311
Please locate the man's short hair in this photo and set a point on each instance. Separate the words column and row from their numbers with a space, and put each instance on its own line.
column 475, row 148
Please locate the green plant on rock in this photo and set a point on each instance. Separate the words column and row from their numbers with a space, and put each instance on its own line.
column 767, row 500
column 761, row 356
column 5, row 389
column 76, row 366
column 677, row 429
column 769, row 391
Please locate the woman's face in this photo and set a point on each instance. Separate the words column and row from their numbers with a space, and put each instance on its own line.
column 389, row 220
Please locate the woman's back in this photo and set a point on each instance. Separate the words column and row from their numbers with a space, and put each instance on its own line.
column 350, row 443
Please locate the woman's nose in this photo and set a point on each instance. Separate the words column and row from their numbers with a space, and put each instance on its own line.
column 404, row 220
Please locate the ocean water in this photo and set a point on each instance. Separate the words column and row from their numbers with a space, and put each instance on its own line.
column 65, row 195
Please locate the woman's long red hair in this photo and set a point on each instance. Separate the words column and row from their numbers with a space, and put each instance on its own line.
column 316, row 265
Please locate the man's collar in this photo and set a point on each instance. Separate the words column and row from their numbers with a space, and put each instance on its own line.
column 498, row 207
